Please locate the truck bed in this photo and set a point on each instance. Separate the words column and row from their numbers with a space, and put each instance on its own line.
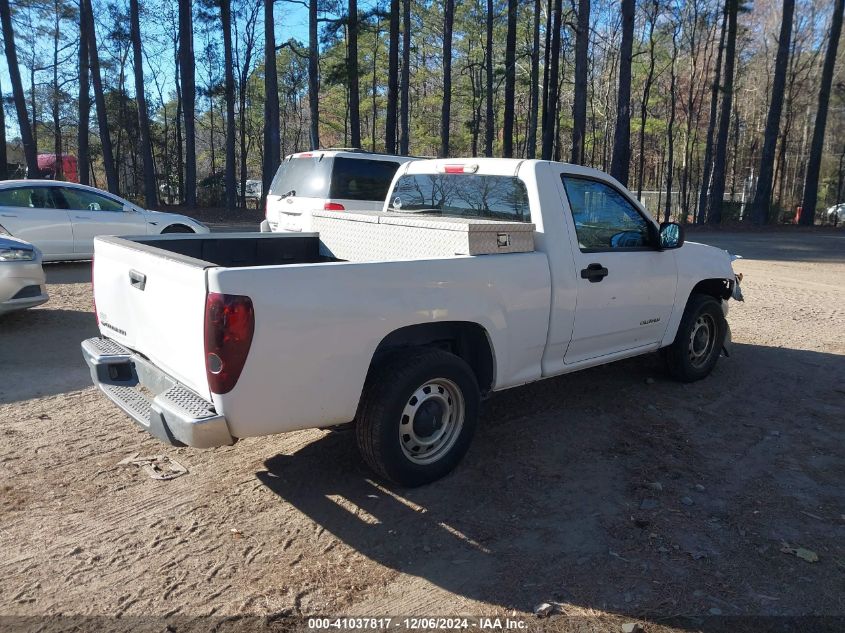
column 238, row 250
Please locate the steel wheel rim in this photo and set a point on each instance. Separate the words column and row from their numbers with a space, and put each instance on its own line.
column 431, row 421
column 702, row 340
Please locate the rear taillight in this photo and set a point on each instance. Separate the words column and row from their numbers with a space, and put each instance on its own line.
column 333, row 206
column 229, row 326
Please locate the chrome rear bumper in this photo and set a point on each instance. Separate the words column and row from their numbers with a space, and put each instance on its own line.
column 159, row 404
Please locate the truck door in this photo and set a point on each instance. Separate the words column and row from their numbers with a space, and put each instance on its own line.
column 625, row 286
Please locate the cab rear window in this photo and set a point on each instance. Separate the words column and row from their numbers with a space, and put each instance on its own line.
column 462, row 195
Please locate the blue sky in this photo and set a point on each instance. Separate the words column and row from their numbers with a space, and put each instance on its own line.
column 291, row 22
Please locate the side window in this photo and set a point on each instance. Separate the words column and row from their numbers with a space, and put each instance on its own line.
column 81, row 200
column 360, row 179
column 31, row 197
column 604, row 219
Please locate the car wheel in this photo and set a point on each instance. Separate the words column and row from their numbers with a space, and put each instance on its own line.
column 177, row 228
column 699, row 341
column 417, row 416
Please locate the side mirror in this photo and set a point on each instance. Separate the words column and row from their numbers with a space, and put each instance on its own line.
column 127, row 208
column 671, row 235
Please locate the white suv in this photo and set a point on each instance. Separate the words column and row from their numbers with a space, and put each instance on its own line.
column 330, row 180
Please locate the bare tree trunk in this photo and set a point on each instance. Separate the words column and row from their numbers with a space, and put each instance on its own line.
column 100, row 101
column 510, row 81
column 533, row 115
column 27, row 140
column 4, row 159
column 405, row 80
column 840, row 185
column 374, row 85
column 57, row 123
column 187, row 68
column 392, row 80
column 706, row 171
column 82, row 147
column 445, row 110
column 811, row 182
column 621, row 158
column 150, row 193
column 579, row 102
column 646, row 93
column 547, row 51
column 550, row 110
column 272, row 140
column 670, row 132
column 313, row 75
column 352, row 76
column 763, row 194
column 489, row 130
column 230, row 183
column 717, row 183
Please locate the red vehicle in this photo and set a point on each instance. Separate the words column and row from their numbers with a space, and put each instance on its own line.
column 47, row 164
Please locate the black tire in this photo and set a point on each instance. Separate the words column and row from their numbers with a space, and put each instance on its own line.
column 388, row 399
column 177, row 228
column 690, row 357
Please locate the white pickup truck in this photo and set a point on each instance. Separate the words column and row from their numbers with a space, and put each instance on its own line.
column 210, row 338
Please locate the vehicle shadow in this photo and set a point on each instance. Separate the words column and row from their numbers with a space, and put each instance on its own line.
column 68, row 272
column 34, row 364
column 613, row 489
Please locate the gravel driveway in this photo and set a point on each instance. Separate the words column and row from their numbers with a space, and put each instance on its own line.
column 614, row 491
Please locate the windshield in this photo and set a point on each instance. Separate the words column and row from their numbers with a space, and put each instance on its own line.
column 462, row 195
column 306, row 176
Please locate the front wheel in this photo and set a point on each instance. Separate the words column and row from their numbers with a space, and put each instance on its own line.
column 699, row 341
column 417, row 416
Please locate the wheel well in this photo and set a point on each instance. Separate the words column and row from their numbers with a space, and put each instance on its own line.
column 716, row 288
column 467, row 340
column 177, row 228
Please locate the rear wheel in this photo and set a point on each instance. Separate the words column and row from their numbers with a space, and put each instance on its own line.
column 699, row 341
column 178, row 228
column 417, row 416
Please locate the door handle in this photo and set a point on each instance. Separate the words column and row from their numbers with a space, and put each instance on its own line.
column 137, row 280
column 594, row 273
column 8, row 215
column 82, row 217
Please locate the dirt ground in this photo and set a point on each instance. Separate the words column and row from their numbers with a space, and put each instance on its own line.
column 615, row 492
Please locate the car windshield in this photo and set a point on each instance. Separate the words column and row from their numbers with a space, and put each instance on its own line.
column 462, row 195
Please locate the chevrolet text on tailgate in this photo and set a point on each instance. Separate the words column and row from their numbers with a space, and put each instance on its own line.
column 475, row 276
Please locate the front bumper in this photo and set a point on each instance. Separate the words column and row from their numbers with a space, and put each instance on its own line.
column 158, row 403
column 22, row 285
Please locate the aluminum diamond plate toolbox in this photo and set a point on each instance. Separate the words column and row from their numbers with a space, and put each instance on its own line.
column 375, row 236
column 354, row 237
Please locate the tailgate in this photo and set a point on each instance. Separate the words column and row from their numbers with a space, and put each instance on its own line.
column 153, row 302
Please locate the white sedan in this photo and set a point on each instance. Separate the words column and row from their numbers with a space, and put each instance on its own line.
column 61, row 219
column 22, row 282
